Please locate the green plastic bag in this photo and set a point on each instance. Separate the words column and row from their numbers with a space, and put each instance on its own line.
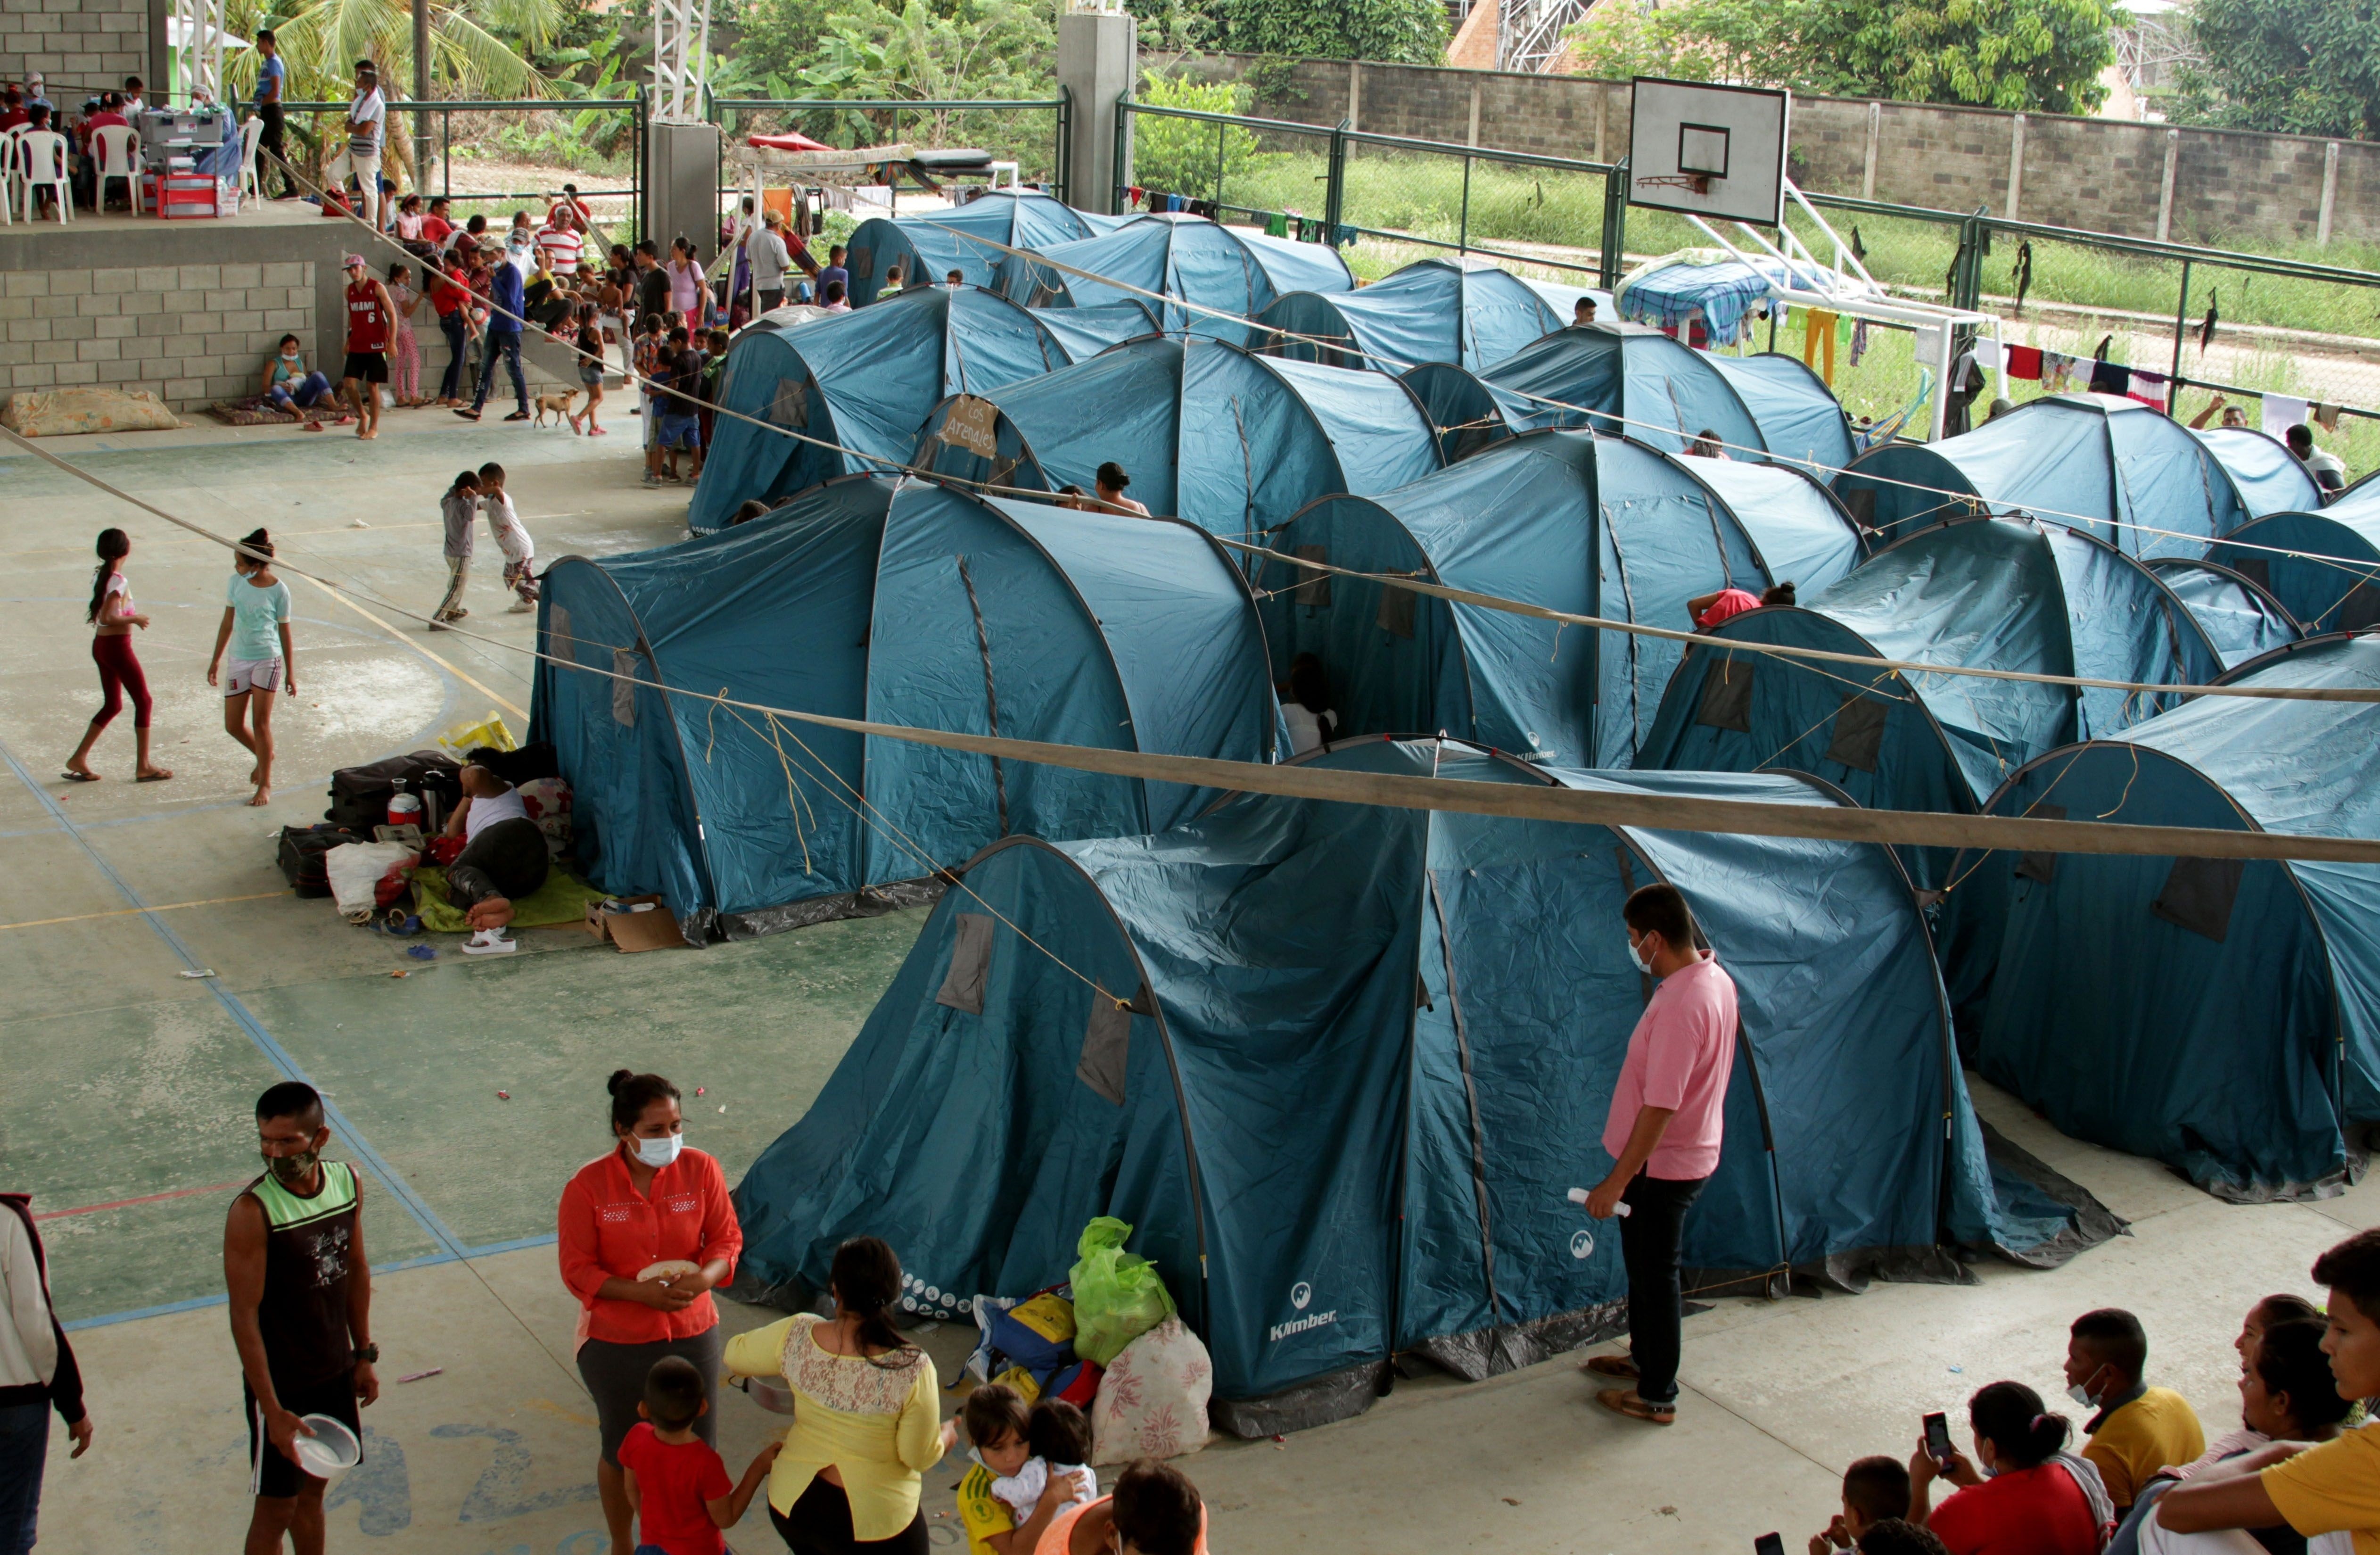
column 1118, row 1296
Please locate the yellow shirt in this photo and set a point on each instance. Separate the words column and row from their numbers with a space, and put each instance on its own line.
column 2155, row 1430
column 877, row 1422
column 982, row 1513
column 2332, row 1489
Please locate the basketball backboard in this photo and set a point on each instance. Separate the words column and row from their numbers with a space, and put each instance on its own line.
column 1714, row 151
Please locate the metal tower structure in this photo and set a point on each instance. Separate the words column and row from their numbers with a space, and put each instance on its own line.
column 1529, row 33
column 681, row 58
column 196, row 37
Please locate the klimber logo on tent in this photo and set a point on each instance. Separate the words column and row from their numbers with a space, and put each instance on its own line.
column 1582, row 1243
column 1300, row 1296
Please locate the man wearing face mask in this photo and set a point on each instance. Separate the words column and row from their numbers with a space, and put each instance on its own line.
column 646, row 1233
column 2138, row 1429
column 300, row 1311
column 1663, row 1134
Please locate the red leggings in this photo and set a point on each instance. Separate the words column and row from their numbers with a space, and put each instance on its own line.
column 119, row 676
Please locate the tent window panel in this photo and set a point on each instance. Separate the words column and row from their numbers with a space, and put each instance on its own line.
column 558, row 642
column 1727, row 696
column 790, row 406
column 1107, row 1044
column 2257, row 570
column 1859, row 732
column 1860, row 503
column 2040, row 866
column 624, row 687
column 2362, row 610
column 1312, row 588
column 1396, row 615
column 2198, row 895
column 862, row 261
column 970, row 964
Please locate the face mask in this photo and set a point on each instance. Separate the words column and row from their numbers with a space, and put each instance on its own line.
column 658, row 1154
column 291, row 1171
column 1637, row 957
column 2082, row 1396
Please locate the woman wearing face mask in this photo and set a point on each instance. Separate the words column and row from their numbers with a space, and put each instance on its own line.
column 2023, row 1493
column 646, row 1233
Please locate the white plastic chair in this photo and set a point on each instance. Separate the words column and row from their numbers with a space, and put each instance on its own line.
column 41, row 159
column 118, row 149
column 249, row 134
column 8, row 173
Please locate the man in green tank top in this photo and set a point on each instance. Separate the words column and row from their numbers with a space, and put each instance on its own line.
column 300, row 1311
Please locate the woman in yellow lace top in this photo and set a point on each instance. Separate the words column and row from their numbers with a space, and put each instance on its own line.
column 867, row 1415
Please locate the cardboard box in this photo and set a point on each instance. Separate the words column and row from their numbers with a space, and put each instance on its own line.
column 635, row 931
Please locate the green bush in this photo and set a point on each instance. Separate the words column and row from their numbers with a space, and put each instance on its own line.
column 1180, row 156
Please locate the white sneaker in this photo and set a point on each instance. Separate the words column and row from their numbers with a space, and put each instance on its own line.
column 490, row 941
column 519, row 607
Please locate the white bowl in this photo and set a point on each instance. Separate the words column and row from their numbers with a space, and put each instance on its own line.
column 770, row 1393
column 330, row 1451
column 668, row 1268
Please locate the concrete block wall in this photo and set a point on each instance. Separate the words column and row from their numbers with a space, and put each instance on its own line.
column 190, row 334
column 78, row 45
column 2224, row 188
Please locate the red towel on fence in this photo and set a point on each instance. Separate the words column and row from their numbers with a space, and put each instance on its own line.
column 2024, row 361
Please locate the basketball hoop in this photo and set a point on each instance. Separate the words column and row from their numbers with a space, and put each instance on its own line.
column 1716, row 151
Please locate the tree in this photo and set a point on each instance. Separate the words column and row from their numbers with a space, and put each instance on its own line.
column 2037, row 55
column 2294, row 67
column 475, row 45
column 1395, row 31
column 1186, row 155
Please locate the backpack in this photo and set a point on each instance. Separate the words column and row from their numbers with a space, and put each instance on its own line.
column 303, row 851
column 359, row 796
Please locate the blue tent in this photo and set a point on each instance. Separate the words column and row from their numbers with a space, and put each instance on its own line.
column 1046, row 433
column 863, row 381
column 929, row 247
column 1586, row 525
column 1798, row 416
column 1468, row 312
column 1262, row 436
column 902, row 602
column 2242, row 620
column 2128, row 473
column 1992, row 593
column 1237, row 269
column 2268, row 478
column 1337, row 1065
column 2221, row 1017
column 2333, row 582
column 1622, row 379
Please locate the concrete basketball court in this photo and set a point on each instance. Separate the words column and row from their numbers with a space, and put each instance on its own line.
column 129, row 1087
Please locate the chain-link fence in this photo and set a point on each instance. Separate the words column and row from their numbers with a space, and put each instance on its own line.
column 492, row 157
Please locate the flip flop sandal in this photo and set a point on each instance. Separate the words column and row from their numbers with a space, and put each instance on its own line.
column 153, row 777
column 79, row 777
column 1624, row 1401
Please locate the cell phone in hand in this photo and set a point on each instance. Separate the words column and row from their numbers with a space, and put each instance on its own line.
column 1768, row 1544
column 1937, row 1437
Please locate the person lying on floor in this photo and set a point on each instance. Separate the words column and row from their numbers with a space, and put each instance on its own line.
column 503, row 858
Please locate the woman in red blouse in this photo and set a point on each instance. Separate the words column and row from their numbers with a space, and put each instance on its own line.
column 646, row 1233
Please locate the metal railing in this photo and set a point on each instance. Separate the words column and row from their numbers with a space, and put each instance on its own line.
column 443, row 112
column 829, row 119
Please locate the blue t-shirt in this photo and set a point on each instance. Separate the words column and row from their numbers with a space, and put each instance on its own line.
column 270, row 77
column 255, row 613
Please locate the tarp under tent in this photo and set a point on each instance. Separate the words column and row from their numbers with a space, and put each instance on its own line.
column 2123, row 471
column 2240, row 619
column 1237, row 270
column 1465, row 311
column 1049, row 433
column 2323, row 567
column 930, row 246
column 1992, row 593
column 1262, row 436
column 1623, row 379
column 1337, row 1064
column 2268, row 478
column 1798, row 416
column 901, row 601
column 863, row 381
column 2220, row 1016
column 1567, row 520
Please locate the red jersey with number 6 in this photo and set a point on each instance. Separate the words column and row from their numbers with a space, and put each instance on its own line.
column 368, row 325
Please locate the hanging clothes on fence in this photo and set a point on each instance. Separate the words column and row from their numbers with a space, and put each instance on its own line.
column 1817, row 340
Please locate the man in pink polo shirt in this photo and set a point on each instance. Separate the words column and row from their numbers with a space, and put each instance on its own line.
column 1663, row 1134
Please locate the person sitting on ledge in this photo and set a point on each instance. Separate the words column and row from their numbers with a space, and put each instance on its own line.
column 504, row 858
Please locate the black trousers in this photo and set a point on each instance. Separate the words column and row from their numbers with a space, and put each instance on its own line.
column 507, row 859
column 820, row 1524
column 271, row 151
column 1648, row 1245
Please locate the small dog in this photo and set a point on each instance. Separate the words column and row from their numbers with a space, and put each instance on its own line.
column 558, row 404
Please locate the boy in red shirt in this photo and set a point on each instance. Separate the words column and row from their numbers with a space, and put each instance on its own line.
column 676, row 1479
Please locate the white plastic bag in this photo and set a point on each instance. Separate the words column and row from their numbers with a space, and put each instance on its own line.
column 1152, row 1402
column 356, row 870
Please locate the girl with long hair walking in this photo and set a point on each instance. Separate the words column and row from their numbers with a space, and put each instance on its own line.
column 263, row 660
column 113, row 617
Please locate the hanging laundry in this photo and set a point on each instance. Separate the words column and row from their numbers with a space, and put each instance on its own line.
column 2206, row 329
column 2101, row 353
column 1990, row 355
column 2109, row 378
column 1859, row 342
column 2325, row 415
column 1817, row 340
column 2023, row 362
column 1276, row 224
column 2149, row 388
column 2282, row 412
column 1136, row 195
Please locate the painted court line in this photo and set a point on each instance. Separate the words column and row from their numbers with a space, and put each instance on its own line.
column 239, row 1011
column 128, row 912
column 144, row 1198
column 427, row 1260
